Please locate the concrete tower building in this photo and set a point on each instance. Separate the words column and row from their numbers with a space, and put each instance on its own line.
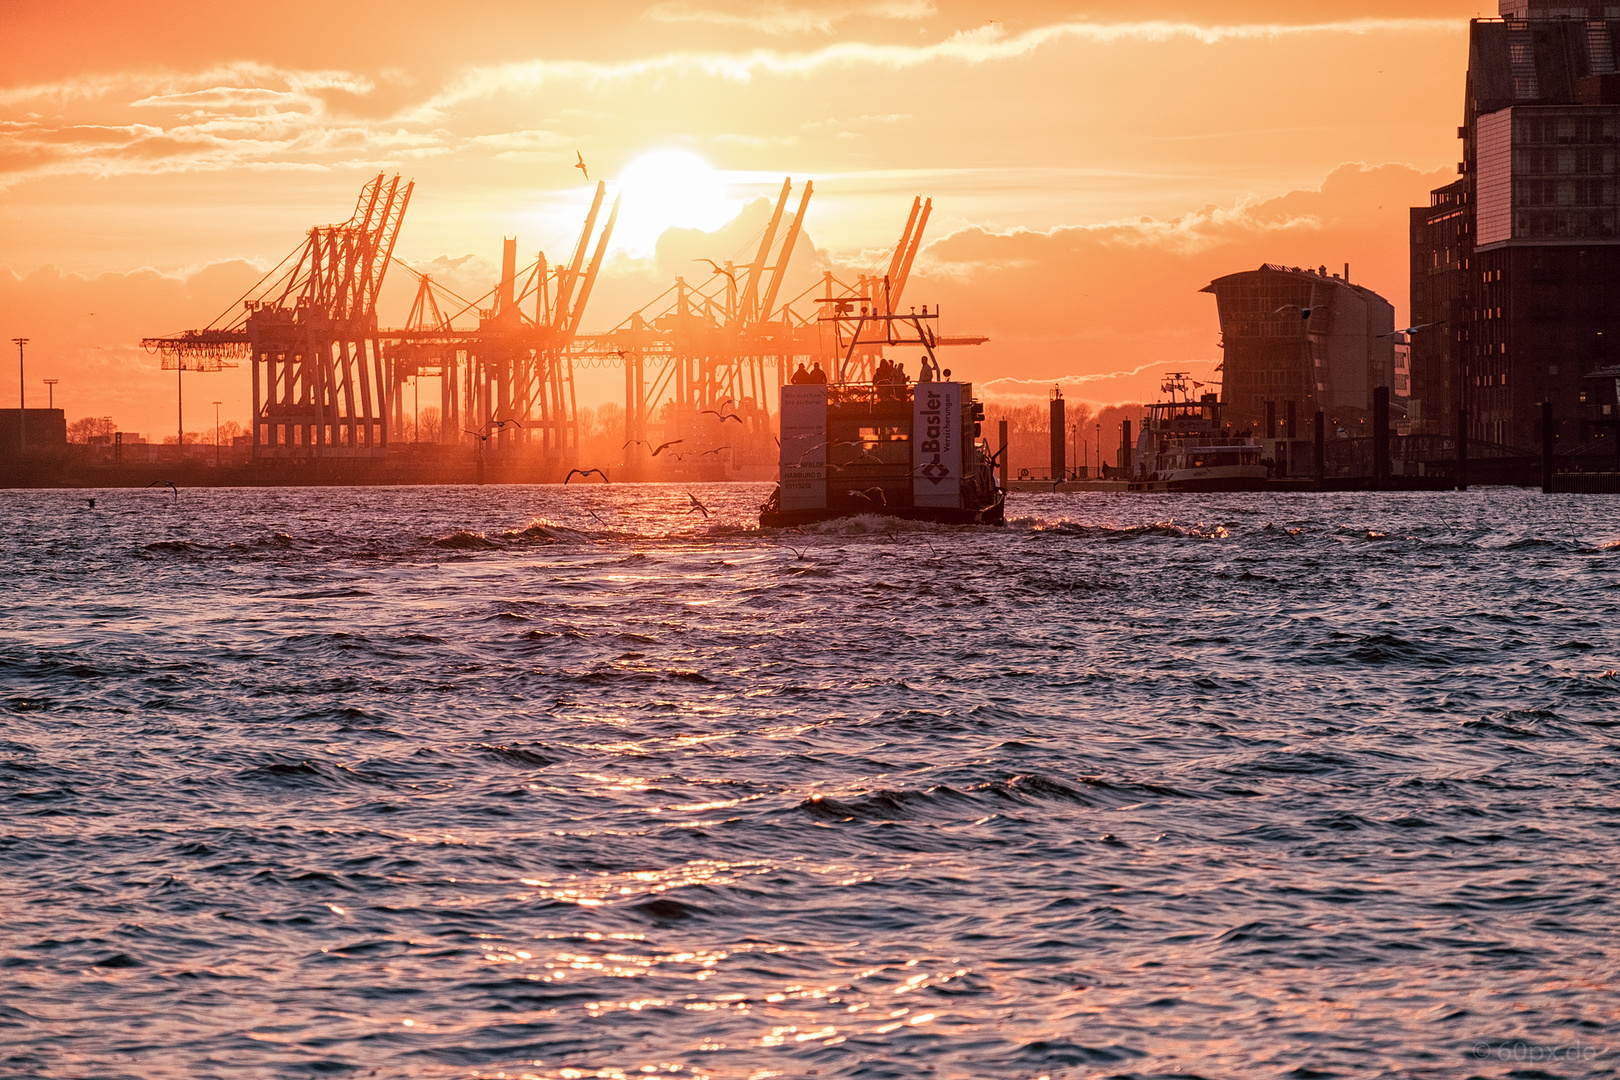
column 1330, row 361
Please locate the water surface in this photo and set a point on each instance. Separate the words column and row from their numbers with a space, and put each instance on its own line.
column 575, row 782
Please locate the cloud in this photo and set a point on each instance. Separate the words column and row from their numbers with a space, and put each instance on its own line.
column 779, row 17
column 985, row 44
column 261, row 116
column 1115, row 304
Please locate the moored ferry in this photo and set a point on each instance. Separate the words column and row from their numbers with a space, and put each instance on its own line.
column 1186, row 446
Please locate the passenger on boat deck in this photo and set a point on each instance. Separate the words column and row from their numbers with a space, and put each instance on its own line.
column 925, row 371
column 801, row 376
column 816, row 374
column 883, row 373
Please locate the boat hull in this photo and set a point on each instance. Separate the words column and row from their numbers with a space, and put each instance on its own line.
column 1244, row 479
column 994, row 514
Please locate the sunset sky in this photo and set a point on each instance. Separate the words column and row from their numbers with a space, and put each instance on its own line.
column 1092, row 165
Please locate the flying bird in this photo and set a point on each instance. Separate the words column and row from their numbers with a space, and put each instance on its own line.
column 170, row 485
column 723, row 416
column 581, row 165
column 1305, row 313
column 697, row 505
column 585, row 472
column 718, row 269
column 1410, row 330
column 716, row 450
column 867, row 495
column 659, row 449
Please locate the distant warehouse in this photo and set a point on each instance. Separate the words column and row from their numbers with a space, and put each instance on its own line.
column 37, row 430
column 1520, row 258
column 1301, row 340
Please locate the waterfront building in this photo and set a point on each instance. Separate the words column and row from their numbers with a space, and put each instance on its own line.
column 1279, row 362
column 1520, row 258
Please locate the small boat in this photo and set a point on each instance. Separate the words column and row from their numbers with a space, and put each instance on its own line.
column 887, row 446
column 1185, row 446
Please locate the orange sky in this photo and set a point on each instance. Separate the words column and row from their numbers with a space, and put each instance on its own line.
column 1092, row 165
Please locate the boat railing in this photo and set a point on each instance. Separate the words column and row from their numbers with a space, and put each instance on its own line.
column 865, row 393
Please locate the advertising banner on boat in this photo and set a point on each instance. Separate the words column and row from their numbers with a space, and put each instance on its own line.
column 804, row 447
column 936, row 445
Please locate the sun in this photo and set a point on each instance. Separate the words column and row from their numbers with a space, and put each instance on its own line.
column 670, row 189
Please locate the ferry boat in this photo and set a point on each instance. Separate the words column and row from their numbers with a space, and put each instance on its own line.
column 1186, row 446
column 882, row 445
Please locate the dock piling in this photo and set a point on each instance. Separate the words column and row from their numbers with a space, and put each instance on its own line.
column 1462, row 449
column 1380, row 438
column 1548, row 436
column 1319, row 450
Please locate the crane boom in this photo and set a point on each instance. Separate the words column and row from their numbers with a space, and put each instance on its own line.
column 899, row 286
column 565, row 284
column 596, row 265
column 900, row 252
column 787, row 253
column 751, row 293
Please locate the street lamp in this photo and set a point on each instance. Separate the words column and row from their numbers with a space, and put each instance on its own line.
column 22, row 415
column 50, row 394
column 216, row 434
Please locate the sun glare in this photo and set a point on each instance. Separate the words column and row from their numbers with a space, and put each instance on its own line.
column 670, row 189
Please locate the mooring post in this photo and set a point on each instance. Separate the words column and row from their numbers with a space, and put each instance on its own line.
column 1059, row 432
column 1004, row 468
column 1380, row 438
column 1548, row 436
column 1462, row 449
column 1319, row 451
column 1127, row 449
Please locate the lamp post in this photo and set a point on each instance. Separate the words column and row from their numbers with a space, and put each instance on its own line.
column 50, row 393
column 22, row 439
column 216, row 434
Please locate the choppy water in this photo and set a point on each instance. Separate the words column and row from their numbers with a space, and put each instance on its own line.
column 310, row 783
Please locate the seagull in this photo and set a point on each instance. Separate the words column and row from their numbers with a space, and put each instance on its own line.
column 1305, row 313
column 697, row 505
column 483, row 436
column 584, row 472
column 716, row 450
column 170, row 485
column 660, row 448
column 581, row 166
column 499, row 424
column 1410, row 330
column 867, row 495
column 723, row 416
column 718, row 269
